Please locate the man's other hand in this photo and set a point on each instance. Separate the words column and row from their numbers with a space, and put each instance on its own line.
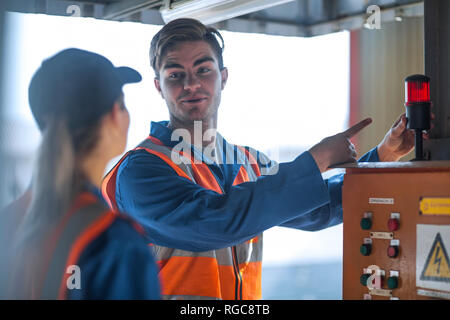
column 398, row 141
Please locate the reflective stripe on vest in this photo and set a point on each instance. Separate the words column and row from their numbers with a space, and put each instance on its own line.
column 229, row 273
column 77, row 230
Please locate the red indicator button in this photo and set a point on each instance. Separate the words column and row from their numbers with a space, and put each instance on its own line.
column 393, row 224
column 392, row 251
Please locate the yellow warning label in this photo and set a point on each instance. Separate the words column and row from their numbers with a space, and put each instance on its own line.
column 435, row 206
column 437, row 266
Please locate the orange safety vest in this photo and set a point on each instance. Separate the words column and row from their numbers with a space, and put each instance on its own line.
column 82, row 224
column 228, row 273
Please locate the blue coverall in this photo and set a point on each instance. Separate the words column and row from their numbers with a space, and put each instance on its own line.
column 178, row 213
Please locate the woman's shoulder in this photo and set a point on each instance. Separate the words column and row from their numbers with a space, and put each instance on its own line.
column 112, row 262
column 124, row 228
column 114, row 229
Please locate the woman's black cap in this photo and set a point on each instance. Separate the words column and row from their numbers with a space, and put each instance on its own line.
column 77, row 86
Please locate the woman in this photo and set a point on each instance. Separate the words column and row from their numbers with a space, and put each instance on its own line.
column 70, row 245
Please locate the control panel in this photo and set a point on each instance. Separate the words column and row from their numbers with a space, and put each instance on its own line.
column 397, row 231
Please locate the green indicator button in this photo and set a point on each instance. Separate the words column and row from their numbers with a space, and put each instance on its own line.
column 366, row 223
column 365, row 249
column 392, row 282
column 363, row 279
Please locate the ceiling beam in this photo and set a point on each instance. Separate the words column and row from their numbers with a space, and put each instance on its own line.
column 124, row 9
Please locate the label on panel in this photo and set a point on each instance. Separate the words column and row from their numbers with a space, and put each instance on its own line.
column 434, row 206
column 381, row 200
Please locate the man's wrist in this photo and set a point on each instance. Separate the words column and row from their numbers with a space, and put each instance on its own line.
column 318, row 158
column 386, row 155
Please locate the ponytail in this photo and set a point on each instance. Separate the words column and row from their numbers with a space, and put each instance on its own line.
column 53, row 187
column 53, row 179
column 57, row 179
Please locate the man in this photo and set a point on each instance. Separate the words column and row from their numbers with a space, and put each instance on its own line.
column 204, row 209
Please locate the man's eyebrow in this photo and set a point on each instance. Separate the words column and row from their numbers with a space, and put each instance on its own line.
column 201, row 60
column 172, row 65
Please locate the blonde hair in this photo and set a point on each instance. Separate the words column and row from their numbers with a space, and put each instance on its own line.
column 57, row 178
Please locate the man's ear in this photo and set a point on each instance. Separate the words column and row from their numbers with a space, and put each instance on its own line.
column 158, row 86
column 224, row 73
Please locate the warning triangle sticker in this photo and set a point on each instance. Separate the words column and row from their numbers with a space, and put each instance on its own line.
column 437, row 266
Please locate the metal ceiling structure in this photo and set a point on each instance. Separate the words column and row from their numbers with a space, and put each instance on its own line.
column 302, row 18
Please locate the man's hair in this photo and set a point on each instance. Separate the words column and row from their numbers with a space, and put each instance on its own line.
column 182, row 30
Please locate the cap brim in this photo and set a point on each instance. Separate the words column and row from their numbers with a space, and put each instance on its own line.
column 128, row 75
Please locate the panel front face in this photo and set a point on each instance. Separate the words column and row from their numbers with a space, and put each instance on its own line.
column 395, row 223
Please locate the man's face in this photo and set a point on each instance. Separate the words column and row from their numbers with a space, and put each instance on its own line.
column 191, row 82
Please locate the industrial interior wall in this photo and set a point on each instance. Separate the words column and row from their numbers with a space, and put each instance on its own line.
column 3, row 169
column 381, row 59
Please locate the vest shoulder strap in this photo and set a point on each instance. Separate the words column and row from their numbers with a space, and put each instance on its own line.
column 78, row 231
column 175, row 160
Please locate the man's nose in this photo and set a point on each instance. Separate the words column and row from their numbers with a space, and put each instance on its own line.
column 191, row 82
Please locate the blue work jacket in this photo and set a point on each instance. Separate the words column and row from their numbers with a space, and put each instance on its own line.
column 178, row 213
